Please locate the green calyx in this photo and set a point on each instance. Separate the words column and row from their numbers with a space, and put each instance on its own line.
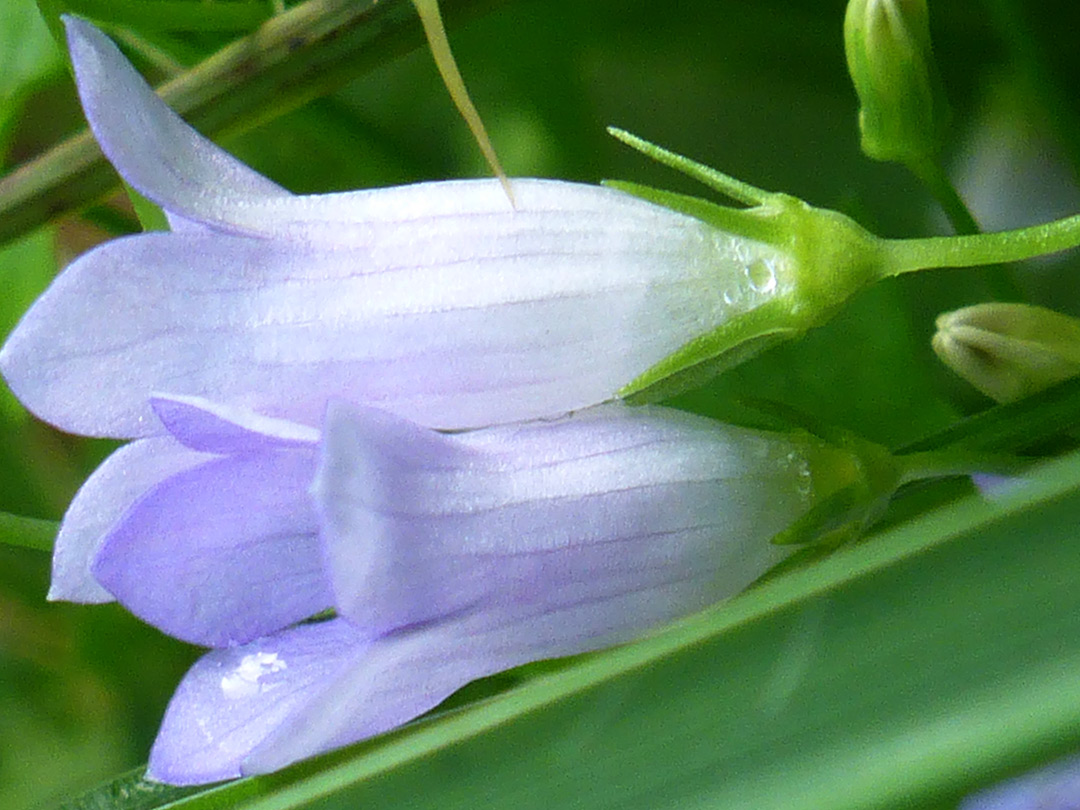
column 817, row 260
column 853, row 482
column 825, row 258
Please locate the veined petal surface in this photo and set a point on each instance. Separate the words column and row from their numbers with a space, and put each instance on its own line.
column 438, row 301
column 455, row 323
column 635, row 515
column 222, row 553
column 214, row 428
column 209, row 533
column 453, row 557
column 102, row 500
column 228, row 551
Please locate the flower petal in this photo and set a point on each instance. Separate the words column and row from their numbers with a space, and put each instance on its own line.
column 100, row 503
column 456, row 322
column 455, row 557
column 210, row 427
column 234, row 700
column 150, row 145
column 222, row 553
column 1055, row 786
column 437, row 301
column 641, row 514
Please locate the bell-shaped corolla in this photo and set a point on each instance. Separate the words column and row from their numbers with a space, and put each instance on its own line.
column 207, row 532
column 444, row 557
column 439, row 302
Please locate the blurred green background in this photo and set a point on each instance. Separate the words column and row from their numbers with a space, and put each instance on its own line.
column 758, row 90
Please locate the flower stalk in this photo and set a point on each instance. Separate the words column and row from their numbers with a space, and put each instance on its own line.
column 899, row 256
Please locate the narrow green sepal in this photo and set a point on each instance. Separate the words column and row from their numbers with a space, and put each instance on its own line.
column 837, row 519
column 751, row 223
column 853, row 485
column 716, row 180
column 711, row 354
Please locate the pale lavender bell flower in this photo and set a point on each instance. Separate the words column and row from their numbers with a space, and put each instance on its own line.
column 438, row 301
column 446, row 557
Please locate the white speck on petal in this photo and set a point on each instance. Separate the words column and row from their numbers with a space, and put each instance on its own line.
column 243, row 682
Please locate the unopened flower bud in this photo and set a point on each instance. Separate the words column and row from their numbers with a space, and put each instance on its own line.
column 1009, row 351
column 889, row 57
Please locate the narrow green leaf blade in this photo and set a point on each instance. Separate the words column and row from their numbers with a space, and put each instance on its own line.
column 26, row 532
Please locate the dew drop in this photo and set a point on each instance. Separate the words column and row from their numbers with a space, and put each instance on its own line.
column 804, row 480
column 761, row 275
column 243, row 682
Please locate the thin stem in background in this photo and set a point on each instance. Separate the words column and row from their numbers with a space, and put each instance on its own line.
column 931, row 173
column 1010, row 19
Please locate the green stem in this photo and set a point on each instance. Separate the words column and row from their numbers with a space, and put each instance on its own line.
column 933, row 176
column 306, row 52
column 910, row 255
column 941, row 187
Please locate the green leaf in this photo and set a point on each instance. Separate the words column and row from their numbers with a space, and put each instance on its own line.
column 32, row 477
column 132, row 791
column 903, row 672
column 16, row 530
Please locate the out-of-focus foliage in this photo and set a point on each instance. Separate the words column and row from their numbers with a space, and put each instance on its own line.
column 759, row 90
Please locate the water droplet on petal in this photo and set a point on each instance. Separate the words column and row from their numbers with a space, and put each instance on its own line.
column 761, row 275
column 244, row 680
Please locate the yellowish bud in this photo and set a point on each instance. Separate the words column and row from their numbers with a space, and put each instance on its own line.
column 1009, row 351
